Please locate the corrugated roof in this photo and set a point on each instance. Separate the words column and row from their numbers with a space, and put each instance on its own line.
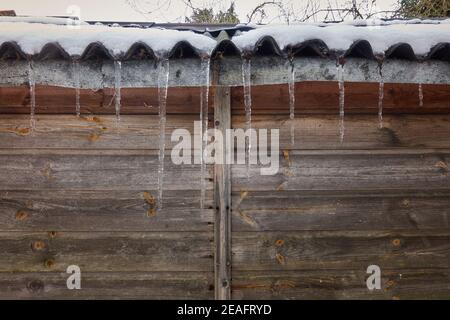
column 264, row 45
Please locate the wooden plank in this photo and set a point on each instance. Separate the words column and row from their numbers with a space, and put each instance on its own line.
column 321, row 132
column 222, row 120
column 360, row 98
column 311, row 98
column 351, row 170
column 93, row 170
column 108, row 285
column 90, row 132
column 140, row 131
column 127, row 170
column 61, row 210
column 301, row 250
column 356, row 210
column 396, row 284
column 50, row 100
column 106, row 251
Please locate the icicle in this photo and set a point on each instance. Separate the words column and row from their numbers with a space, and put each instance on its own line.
column 380, row 103
column 32, row 84
column 292, row 101
column 163, row 85
column 204, row 95
column 117, row 86
column 420, row 95
column 247, row 82
column 340, row 76
column 76, row 79
column 380, row 99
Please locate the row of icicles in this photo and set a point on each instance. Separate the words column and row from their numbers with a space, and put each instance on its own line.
column 163, row 69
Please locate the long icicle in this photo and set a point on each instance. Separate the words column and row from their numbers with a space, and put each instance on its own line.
column 292, row 101
column 76, row 79
column 32, row 85
column 163, row 85
column 380, row 98
column 420, row 95
column 246, row 80
column 117, row 87
column 340, row 72
column 204, row 119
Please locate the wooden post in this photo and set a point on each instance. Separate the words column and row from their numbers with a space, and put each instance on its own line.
column 222, row 195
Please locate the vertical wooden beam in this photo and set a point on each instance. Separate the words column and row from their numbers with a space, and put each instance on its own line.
column 222, row 195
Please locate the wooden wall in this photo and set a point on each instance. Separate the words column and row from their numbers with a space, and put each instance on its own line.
column 81, row 191
column 381, row 197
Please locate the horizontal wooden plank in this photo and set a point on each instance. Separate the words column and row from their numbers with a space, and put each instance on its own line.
column 311, row 98
column 306, row 210
column 106, row 251
column 108, row 285
column 93, row 170
column 341, row 249
column 141, row 131
column 398, row 284
column 60, row 210
column 90, row 132
column 323, row 98
column 361, row 131
column 353, row 170
column 61, row 100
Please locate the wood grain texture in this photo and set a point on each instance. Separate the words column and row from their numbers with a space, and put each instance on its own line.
column 92, row 170
column 303, row 250
column 337, row 210
column 360, row 98
column 311, row 98
column 93, row 211
column 321, row 132
column 59, row 100
column 90, row 132
column 141, row 131
column 81, row 191
column 222, row 188
column 353, row 170
column 403, row 284
column 108, row 285
column 106, row 251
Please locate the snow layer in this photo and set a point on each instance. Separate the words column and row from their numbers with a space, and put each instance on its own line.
column 420, row 36
column 32, row 37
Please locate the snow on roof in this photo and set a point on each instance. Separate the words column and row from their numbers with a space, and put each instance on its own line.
column 409, row 39
column 422, row 37
column 33, row 37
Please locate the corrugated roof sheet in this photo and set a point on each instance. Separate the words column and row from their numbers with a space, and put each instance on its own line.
column 264, row 45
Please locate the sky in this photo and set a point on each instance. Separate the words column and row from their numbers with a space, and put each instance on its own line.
column 160, row 10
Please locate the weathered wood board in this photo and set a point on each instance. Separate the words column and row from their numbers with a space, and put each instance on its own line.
column 108, row 285
column 106, row 251
column 341, row 284
column 82, row 191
